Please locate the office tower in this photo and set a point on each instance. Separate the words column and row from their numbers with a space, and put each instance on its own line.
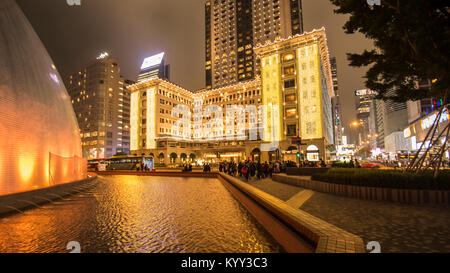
column 336, row 104
column 391, row 117
column 234, row 27
column 365, row 114
column 154, row 67
column 102, row 106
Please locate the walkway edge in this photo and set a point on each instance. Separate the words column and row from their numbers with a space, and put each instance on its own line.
column 326, row 237
column 288, row 238
column 19, row 202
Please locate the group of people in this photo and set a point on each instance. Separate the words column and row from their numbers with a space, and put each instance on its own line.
column 206, row 168
column 249, row 169
column 311, row 164
column 187, row 167
column 142, row 167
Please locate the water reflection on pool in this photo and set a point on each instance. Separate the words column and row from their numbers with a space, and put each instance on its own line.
column 140, row 214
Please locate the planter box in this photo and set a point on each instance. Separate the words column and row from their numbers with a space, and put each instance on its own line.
column 369, row 193
column 305, row 171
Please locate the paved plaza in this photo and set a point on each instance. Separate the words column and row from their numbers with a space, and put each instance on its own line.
column 397, row 227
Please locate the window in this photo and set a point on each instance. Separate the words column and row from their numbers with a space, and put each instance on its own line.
column 289, row 83
column 288, row 57
column 289, row 70
column 290, row 98
column 291, row 130
column 291, row 112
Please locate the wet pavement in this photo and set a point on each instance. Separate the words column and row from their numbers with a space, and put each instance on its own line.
column 397, row 227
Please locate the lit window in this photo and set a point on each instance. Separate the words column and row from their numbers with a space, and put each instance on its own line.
column 291, row 112
column 288, row 57
column 289, row 70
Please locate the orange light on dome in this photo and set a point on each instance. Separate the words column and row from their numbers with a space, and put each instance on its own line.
column 26, row 167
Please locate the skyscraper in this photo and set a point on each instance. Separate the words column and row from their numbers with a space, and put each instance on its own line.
column 234, row 27
column 102, row 105
column 154, row 67
column 336, row 104
column 391, row 117
column 366, row 115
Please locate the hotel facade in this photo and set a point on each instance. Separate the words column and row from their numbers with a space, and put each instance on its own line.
column 255, row 119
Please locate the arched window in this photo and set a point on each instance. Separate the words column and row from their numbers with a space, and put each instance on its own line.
column 288, row 57
column 312, row 148
column 173, row 157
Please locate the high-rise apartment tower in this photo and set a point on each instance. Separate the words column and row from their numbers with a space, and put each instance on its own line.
column 102, row 105
column 234, row 27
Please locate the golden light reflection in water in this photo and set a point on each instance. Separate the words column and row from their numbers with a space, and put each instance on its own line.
column 141, row 214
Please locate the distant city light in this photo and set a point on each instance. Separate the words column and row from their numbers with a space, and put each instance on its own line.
column 153, row 60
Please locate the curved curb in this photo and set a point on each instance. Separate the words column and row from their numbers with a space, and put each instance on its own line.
column 326, row 237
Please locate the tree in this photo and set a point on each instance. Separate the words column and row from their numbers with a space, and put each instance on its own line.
column 412, row 40
column 412, row 44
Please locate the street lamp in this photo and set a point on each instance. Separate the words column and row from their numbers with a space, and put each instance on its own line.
column 355, row 124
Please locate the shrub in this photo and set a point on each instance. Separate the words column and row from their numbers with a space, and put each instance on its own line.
column 385, row 178
column 341, row 165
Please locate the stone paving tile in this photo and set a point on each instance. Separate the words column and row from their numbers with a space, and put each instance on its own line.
column 397, row 227
column 300, row 198
column 279, row 190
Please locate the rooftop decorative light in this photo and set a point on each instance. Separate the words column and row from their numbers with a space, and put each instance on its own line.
column 102, row 55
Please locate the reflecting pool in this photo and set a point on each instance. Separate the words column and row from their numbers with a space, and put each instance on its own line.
column 140, row 214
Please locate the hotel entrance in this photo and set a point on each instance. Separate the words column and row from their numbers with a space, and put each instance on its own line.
column 291, row 154
column 274, row 155
column 312, row 153
column 256, row 155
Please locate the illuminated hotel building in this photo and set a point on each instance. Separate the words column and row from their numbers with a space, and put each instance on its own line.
column 154, row 67
column 102, row 105
column 296, row 80
column 152, row 102
column 234, row 27
column 296, row 77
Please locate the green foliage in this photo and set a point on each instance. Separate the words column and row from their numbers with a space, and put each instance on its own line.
column 386, row 178
column 342, row 165
column 412, row 40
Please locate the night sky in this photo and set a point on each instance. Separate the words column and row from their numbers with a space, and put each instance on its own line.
column 134, row 29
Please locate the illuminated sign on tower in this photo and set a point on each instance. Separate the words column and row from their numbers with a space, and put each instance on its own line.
column 153, row 67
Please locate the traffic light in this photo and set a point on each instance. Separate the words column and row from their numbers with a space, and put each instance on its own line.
column 298, row 154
